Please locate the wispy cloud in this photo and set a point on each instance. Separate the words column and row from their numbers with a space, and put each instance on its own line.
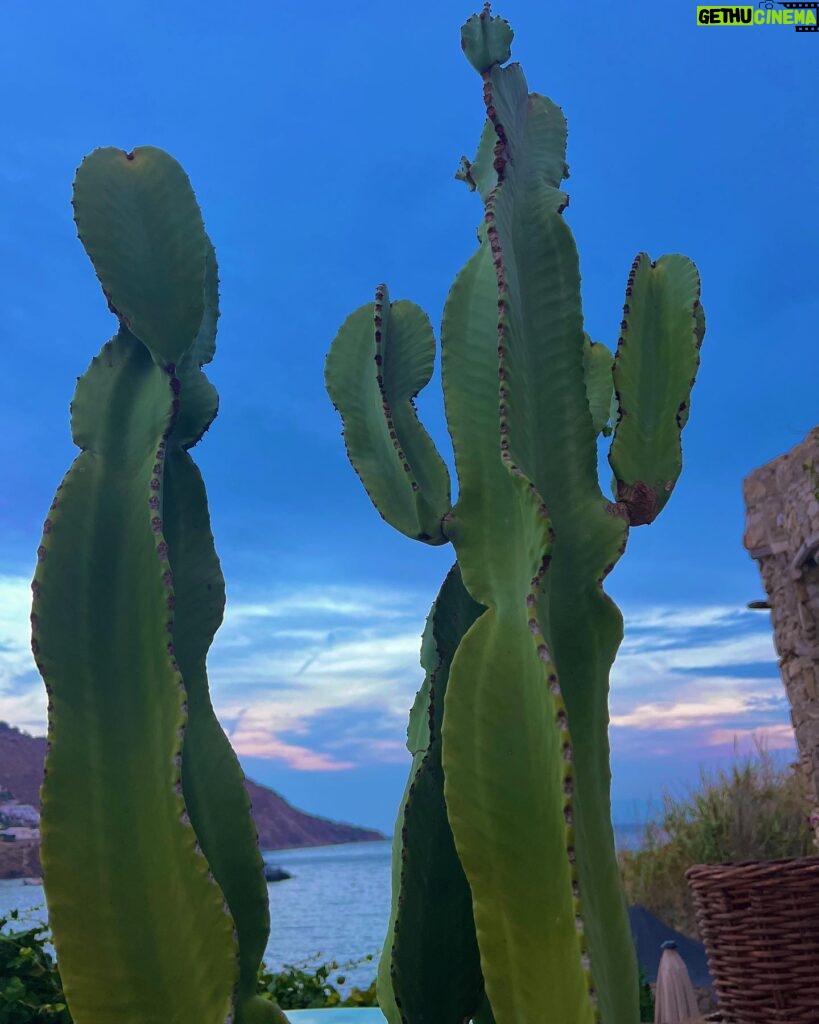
column 689, row 680
column 321, row 679
column 662, row 618
column 281, row 667
column 22, row 695
column 358, row 654
column 681, row 715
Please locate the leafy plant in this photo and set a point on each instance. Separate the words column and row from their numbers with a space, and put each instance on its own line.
column 308, row 985
column 646, row 999
column 755, row 810
column 30, row 986
column 507, row 899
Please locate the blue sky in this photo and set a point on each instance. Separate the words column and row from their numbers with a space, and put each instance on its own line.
column 322, row 142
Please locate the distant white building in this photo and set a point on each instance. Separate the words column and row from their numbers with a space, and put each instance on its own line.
column 17, row 833
column 13, row 813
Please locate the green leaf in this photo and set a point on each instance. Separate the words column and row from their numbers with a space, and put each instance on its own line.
column 381, row 358
column 655, row 366
column 141, row 226
column 140, row 927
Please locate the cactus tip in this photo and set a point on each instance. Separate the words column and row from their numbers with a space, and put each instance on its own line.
column 486, row 40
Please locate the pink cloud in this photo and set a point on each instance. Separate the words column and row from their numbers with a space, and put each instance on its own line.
column 261, row 743
column 388, row 751
column 772, row 737
column 680, row 715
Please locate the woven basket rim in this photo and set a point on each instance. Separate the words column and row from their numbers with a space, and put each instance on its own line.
column 749, row 866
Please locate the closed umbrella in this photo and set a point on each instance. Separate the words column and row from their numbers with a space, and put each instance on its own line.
column 675, row 1001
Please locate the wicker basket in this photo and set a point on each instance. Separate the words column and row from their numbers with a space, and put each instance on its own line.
column 760, row 926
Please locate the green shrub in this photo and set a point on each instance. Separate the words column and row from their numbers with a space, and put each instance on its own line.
column 646, row 999
column 307, row 986
column 30, row 988
column 755, row 810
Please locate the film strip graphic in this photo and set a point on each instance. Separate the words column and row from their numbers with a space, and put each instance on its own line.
column 813, row 6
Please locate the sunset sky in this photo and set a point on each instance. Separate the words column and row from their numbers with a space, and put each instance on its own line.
column 322, row 141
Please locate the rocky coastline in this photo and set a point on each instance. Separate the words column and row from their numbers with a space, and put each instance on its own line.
column 280, row 826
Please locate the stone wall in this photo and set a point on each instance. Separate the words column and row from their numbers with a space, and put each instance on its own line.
column 782, row 534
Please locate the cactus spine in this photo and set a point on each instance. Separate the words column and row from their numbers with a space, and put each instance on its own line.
column 152, row 872
column 524, row 756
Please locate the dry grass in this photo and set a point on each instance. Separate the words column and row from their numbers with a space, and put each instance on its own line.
column 755, row 810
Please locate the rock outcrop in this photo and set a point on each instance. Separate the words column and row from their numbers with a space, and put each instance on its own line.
column 279, row 825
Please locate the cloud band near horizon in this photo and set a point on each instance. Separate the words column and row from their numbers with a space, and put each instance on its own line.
column 320, row 679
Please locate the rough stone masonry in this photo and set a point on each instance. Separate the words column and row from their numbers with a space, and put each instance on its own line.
column 782, row 534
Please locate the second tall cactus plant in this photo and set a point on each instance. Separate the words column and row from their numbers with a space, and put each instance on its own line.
column 507, row 903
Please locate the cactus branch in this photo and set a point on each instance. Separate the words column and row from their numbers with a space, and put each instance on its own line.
column 381, row 358
column 140, row 927
column 430, row 969
column 655, row 365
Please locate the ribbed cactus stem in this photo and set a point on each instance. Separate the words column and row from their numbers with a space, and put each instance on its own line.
column 525, row 756
column 151, row 866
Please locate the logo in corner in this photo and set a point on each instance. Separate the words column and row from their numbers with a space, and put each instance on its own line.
column 804, row 17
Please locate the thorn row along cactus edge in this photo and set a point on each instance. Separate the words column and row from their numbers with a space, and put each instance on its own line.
column 507, row 903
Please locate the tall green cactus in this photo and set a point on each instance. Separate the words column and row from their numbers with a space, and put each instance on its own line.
column 152, row 872
column 522, row 741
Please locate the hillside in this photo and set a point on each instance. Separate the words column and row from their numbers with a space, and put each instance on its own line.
column 21, row 764
column 279, row 825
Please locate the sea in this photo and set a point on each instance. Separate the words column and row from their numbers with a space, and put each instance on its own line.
column 335, row 907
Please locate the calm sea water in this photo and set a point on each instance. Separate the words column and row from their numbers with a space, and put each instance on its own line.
column 335, row 907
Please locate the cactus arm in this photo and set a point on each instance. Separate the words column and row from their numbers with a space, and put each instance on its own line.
column 479, row 174
column 504, row 767
column 212, row 780
column 381, row 358
column 141, row 226
column 550, row 437
column 597, row 367
column 430, row 969
column 655, row 366
column 204, row 346
column 418, row 740
column 130, row 896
